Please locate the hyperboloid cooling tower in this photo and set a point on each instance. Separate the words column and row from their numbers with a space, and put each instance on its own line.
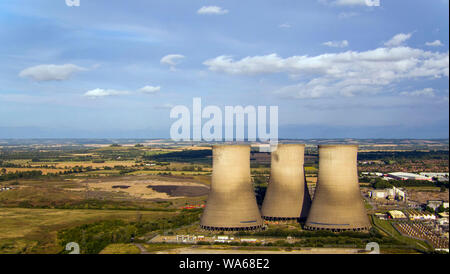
column 337, row 203
column 231, row 202
column 287, row 195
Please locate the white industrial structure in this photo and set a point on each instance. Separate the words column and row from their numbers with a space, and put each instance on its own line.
column 408, row 176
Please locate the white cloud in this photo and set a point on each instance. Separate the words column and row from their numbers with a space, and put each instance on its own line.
column 98, row 92
column 350, row 2
column 172, row 60
column 435, row 43
column 285, row 26
column 212, row 10
column 149, row 89
column 398, row 40
column 51, row 72
column 340, row 74
column 427, row 92
column 336, row 44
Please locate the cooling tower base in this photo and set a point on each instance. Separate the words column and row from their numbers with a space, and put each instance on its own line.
column 213, row 228
column 283, row 219
column 338, row 229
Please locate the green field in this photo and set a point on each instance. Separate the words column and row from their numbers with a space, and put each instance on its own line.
column 121, row 249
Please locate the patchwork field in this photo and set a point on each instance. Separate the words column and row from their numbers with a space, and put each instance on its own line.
column 34, row 230
column 146, row 188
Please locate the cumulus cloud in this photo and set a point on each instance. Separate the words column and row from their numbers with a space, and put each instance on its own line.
column 172, row 60
column 398, row 40
column 149, row 89
column 350, row 2
column 285, row 26
column 347, row 73
column 436, row 43
column 212, row 10
column 98, row 92
column 336, row 44
column 51, row 72
column 427, row 92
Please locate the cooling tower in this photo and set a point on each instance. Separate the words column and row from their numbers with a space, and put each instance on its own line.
column 231, row 202
column 337, row 203
column 287, row 195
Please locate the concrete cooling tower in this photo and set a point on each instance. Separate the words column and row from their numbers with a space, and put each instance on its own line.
column 287, row 195
column 337, row 203
column 231, row 202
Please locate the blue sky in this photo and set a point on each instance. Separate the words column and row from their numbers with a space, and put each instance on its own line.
column 114, row 68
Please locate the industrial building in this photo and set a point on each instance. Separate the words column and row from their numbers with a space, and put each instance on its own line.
column 287, row 196
column 408, row 176
column 396, row 214
column 231, row 204
column 389, row 193
column 337, row 204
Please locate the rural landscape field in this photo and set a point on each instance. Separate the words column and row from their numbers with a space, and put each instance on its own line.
column 142, row 196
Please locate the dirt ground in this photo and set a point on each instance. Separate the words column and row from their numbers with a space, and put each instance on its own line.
column 146, row 188
column 424, row 196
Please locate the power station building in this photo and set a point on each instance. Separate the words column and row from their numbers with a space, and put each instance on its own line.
column 231, row 204
column 287, row 196
column 337, row 204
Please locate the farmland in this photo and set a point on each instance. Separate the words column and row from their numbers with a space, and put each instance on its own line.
column 113, row 191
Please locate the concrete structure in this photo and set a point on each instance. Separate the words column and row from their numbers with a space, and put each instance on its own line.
column 338, row 204
column 287, row 196
column 408, row 176
column 231, row 204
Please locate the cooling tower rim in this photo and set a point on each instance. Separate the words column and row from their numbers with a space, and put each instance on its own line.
column 230, row 145
column 337, row 145
column 293, row 145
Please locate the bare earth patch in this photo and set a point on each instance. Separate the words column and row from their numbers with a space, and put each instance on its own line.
column 147, row 188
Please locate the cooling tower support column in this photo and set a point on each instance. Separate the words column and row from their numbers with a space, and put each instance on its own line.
column 231, row 202
column 287, row 195
column 337, row 204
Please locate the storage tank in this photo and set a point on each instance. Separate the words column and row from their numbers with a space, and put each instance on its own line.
column 231, row 202
column 287, row 196
column 337, row 203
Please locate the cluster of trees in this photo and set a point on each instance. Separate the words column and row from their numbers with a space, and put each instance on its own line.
column 94, row 237
column 19, row 175
column 379, row 183
column 398, row 155
column 194, row 156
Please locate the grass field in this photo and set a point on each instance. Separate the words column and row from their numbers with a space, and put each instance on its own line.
column 34, row 230
column 44, row 170
column 121, row 249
